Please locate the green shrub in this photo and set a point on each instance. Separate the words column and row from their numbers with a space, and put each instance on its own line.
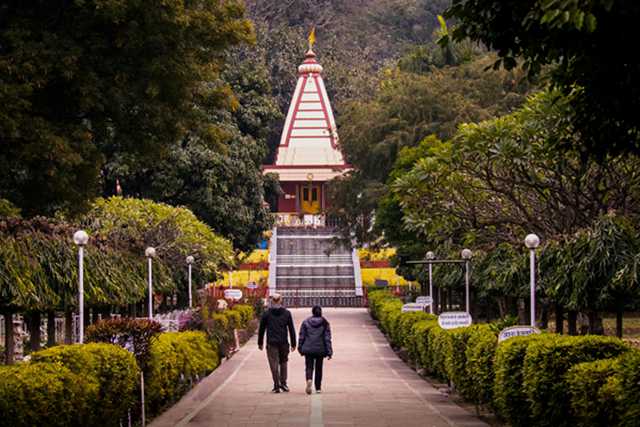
column 423, row 335
column 509, row 398
column 439, row 348
column 114, row 369
column 456, row 359
column 45, row 394
column 247, row 313
column 376, row 298
column 388, row 310
column 627, row 389
column 480, row 353
column 235, row 318
column 177, row 358
column 404, row 326
column 545, row 365
column 591, row 405
column 137, row 334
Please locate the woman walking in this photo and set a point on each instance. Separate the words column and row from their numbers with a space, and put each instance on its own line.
column 315, row 344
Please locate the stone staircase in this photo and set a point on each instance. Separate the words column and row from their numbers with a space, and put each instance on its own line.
column 307, row 269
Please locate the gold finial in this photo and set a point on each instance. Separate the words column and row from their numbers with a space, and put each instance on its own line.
column 312, row 37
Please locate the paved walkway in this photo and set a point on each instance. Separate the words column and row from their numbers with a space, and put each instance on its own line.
column 365, row 384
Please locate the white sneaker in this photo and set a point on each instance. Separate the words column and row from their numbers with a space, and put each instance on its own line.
column 308, row 389
column 318, row 391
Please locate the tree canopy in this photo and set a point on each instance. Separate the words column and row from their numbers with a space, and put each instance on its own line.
column 84, row 82
column 583, row 41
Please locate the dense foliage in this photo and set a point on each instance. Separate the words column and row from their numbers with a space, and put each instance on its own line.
column 104, row 80
column 582, row 41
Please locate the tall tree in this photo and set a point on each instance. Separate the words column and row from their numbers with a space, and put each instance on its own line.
column 87, row 81
column 584, row 40
column 221, row 182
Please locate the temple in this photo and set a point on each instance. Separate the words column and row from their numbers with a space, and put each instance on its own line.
column 308, row 155
column 305, row 267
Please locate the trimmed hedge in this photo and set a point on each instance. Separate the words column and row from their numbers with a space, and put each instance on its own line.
column 177, row 359
column 589, row 405
column 95, row 384
column 509, row 397
column 480, row 353
column 606, row 392
column 544, row 379
column 546, row 364
column 112, row 368
column 45, row 394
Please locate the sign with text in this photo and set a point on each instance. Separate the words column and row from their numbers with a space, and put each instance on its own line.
column 517, row 331
column 234, row 294
column 424, row 300
column 454, row 319
column 413, row 306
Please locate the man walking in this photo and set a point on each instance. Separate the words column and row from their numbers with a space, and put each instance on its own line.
column 276, row 321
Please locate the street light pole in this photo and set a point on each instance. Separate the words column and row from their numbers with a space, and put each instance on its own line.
column 532, row 241
column 150, row 253
column 190, row 260
column 430, row 256
column 466, row 256
column 80, row 238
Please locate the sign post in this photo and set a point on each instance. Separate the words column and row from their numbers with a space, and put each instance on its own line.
column 517, row 331
column 454, row 319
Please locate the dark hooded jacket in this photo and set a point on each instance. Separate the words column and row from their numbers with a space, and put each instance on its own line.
column 275, row 322
column 315, row 337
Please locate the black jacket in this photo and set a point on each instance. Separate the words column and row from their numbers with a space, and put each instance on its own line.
column 276, row 321
column 315, row 337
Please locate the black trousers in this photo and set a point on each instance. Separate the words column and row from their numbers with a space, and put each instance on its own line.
column 314, row 362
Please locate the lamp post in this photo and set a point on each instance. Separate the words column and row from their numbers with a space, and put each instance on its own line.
column 150, row 253
column 466, row 256
column 430, row 256
column 190, row 260
column 80, row 238
column 532, row 241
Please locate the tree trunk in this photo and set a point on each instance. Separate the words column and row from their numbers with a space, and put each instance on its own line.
column 502, row 307
column 87, row 318
column 35, row 320
column 106, row 312
column 9, row 343
column 523, row 316
column 619, row 316
column 51, row 328
column 68, row 326
column 595, row 323
column 559, row 319
column 544, row 316
column 572, row 322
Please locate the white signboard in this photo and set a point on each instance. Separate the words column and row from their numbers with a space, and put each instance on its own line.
column 424, row 300
column 234, row 294
column 413, row 306
column 517, row 331
column 454, row 319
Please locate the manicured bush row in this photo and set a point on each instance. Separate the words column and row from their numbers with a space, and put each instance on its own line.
column 96, row 384
column 606, row 392
column 87, row 385
column 177, row 360
column 546, row 379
